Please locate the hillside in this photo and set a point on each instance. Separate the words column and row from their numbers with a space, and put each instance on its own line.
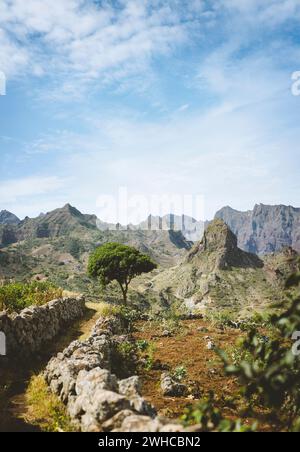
column 218, row 274
column 8, row 218
column 265, row 229
column 56, row 246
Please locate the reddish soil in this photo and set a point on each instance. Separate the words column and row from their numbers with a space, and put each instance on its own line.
column 189, row 349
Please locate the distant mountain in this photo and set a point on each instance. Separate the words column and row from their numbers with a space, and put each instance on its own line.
column 265, row 229
column 220, row 249
column 68, row 229
column 190, row 228
column 57, row 223
column 216, row 274
column 8, row 218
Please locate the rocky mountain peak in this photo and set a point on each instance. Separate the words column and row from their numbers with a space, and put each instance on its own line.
column 71, row 210
column 266, row 229
column 219, row 249
column 8, row 218
column 218, row 236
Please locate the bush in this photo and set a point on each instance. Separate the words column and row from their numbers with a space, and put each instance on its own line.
column 142, row 345
column 16, row 296
column 210, row 419
column 180, row 373
column 272, row 376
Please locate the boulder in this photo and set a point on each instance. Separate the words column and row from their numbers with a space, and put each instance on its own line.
column 171, row 388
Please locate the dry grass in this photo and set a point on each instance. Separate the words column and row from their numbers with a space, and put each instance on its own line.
column 44, row 409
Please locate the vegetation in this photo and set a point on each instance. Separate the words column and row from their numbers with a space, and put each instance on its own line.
column 180, row 373
column 116, row 262
column 208, row 418
column 271, row 377
column 44, row 409
column 16, row 296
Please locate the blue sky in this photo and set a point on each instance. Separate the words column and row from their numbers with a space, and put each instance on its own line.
column 187, row 97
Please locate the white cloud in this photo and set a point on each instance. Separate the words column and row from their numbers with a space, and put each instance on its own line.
column 230, row 156
column 240, row 151
column 12, row 191
column 75, row 42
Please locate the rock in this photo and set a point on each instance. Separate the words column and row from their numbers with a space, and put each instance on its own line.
column 265, row 229
column 29, row 331
column 171, row 388
column 89, row 425
column 96, row 401
column 158, row 365
column 143, row 424
column 171, row 428
column 103, row 405
column 210, row 345
column 88, row 382
column 116, row 421
column 130, row 387
column 166, row 333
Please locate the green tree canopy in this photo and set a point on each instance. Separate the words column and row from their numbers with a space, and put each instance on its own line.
column 121, row 263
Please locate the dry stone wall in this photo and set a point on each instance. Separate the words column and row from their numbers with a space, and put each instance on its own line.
column 28, row 332
column 96, row 399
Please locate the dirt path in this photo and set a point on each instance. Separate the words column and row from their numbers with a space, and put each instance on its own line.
column 14, row 381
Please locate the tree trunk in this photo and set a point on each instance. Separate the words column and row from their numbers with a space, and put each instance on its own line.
column 124, row 292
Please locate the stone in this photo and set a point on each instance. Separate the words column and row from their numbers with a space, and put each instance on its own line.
column 172, row 428
column 210, row 345
column 105, row 404
column 88, row 382
column 171, row 388
column 130, row 387
column 29, row 331
column 116, row 421
column 139, row 424
column 96, row 401
column 166, row 333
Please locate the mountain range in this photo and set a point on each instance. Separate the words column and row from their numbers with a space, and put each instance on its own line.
column 263, row 230
column 217, row 274
column 221, row 269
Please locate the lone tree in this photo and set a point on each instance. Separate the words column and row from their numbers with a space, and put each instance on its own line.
column 116, row 262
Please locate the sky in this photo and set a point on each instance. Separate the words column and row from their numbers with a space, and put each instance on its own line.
column 185, row 97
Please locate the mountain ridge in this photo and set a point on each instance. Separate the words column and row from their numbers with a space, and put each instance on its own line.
column 265, row 229
column 217, row 274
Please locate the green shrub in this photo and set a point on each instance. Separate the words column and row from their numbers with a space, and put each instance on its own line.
column 127, row 350
column 210, row 419
column 180, row 373
column 272, row 376
column 142, row 345
column 16, row 296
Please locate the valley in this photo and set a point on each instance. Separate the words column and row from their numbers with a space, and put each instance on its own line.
column 157, row 363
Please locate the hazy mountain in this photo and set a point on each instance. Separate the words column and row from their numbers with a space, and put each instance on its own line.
column 265, row 229
column 57, row 223
column 190, row 228
column 57, row 245
column 8, row 218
